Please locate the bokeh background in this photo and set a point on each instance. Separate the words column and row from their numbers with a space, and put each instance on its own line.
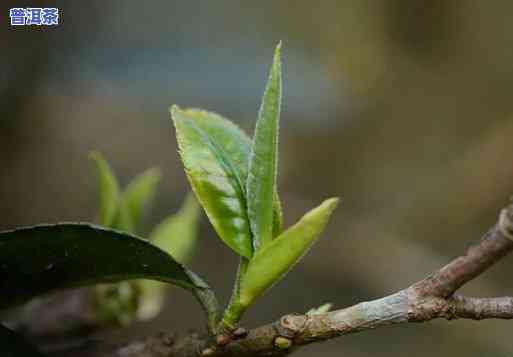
column 402, row 108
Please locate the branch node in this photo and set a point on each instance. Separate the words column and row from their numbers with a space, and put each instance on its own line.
column 425, row 308
column 292, row 325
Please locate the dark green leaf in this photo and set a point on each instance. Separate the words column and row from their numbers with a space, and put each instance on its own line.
column 14, row 345
column 261, row 182
column 39, row 259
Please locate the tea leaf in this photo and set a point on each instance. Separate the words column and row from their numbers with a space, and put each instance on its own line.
column 215, row 176
column 237, row 145
column 272, row 262
column 109, row 190
column 177, row 235
column 39, row 259
column 263, row 162
column 136, row 198
column 277, row 215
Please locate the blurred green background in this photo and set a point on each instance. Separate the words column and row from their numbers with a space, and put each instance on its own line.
column 402, row 108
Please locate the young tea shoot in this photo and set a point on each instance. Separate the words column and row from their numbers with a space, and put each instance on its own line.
column 234, row 178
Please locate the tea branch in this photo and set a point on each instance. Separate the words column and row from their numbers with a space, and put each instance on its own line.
column 431, row 298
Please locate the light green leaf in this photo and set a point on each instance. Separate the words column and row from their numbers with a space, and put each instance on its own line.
column 214, row 176
column 14, row 345
column 39, row 259
column 277, row 215
column 272, row 262
column 228, row 137
column 177, row 235
column 136, row 198
column 109, row 190
column 263, row 162
column 237, row 146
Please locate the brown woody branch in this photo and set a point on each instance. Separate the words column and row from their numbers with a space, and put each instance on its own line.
column 482, row 308
column 430, row 298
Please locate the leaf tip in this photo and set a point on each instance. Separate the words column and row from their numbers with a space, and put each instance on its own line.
column 331, row 203
column 277, row 51
column 324, row 210
column 277, row 57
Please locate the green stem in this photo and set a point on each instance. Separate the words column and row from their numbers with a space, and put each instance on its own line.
column 208, row 301
column 233, row 312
